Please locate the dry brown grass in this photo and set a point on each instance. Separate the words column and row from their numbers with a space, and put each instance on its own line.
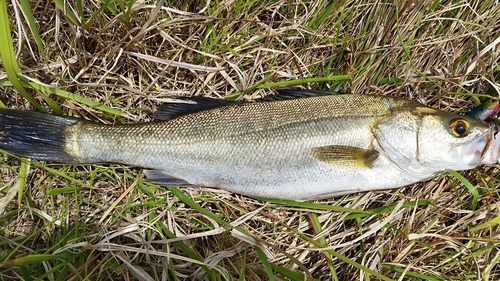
column 105, row 222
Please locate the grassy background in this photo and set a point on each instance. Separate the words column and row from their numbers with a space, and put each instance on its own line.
column 114, row 61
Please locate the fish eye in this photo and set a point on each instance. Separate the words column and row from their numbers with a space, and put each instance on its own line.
column 459, row 127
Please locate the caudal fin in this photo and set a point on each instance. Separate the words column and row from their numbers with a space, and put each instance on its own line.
column 34, row 135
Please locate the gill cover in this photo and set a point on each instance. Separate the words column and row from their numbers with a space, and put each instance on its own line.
column 424, row 140
column 397, row 135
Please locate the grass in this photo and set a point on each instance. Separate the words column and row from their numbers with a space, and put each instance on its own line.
column 115, row 61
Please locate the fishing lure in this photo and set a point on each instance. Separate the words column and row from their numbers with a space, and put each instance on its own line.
column 486, row 110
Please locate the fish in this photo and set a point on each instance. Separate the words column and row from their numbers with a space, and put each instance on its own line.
column 297, row 145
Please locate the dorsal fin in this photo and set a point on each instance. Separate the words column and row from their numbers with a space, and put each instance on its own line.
column 188, row 105
column 286, row 94
column 171, row 110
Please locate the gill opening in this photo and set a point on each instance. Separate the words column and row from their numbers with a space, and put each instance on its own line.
column 417, row 137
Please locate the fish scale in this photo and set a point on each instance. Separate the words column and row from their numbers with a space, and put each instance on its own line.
column 307, row 145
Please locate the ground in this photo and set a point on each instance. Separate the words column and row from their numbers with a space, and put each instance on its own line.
column 115, row 62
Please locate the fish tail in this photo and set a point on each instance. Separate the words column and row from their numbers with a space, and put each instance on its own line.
column 35, row 135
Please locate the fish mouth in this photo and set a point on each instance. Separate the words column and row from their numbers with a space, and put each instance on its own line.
column 484, row 150
column 492, row 150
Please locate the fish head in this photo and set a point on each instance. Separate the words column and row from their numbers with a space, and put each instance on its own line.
column 422, row 140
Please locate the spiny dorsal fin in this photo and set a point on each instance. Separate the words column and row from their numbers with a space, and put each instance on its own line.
column 345, row 156
column 286, row 94
column 194, row 104
column 189, row 105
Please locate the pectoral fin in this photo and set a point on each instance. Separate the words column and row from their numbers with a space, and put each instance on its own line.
column 345, row 156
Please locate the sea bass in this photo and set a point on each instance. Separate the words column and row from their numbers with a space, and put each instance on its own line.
column 304, row 145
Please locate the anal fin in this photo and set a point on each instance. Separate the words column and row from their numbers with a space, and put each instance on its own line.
column 345, row 156
column 164, row 179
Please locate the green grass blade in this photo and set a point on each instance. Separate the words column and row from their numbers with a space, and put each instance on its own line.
column 185, row 248
column 346, row 259
column 32, row 259
column 56, row 91
column 37, row 164
column 358, row 265
column 23, row 170
column 263, row 85
column 26, row 8
column 316, row 224
column 387, row 209
column 243, row 266
column 491, row 223
column 178, row 193
column 9, row 58
column 61, row 4
column 290, row 274
column 322, row 15
column 107, row 4
column 52, row 104
column 75, row 97
column 410, row 274
column 472, row 189
column 265, row 262
column 316, row 206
